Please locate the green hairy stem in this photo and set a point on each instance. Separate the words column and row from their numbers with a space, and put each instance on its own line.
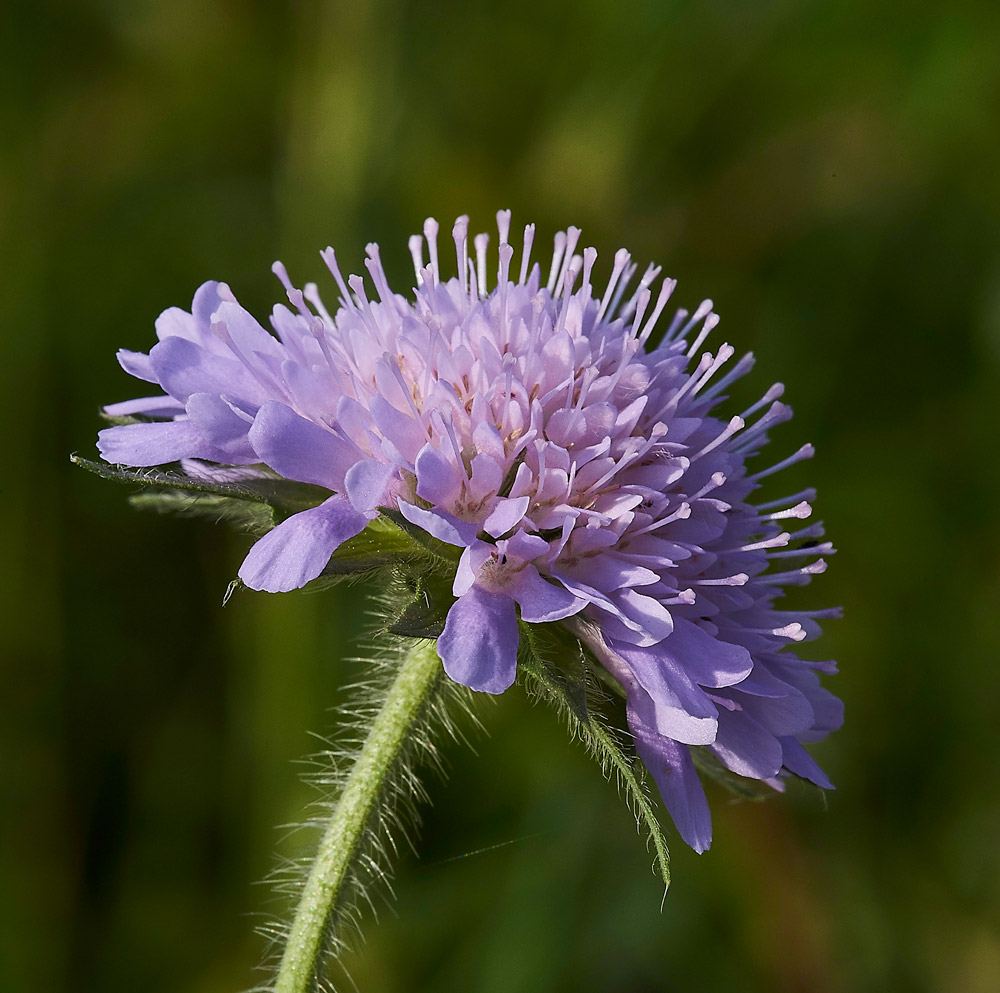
column 367, row 789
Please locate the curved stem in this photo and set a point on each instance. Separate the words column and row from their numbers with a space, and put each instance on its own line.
column 366, row 786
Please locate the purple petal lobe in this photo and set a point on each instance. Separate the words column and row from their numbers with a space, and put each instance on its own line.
column 709, row 661
column 246, row 333
column 365, row 484
column 439, row 524
column 161, row 406
column 298, row 549
column 745, row 747
column 798, row 760
column 438, row 479
column 183, row 367
column 541, row 601
column 479, row 643
column 137, row 364
column 221, row 426
column 506, row 515
column 153, row 444
column 671, row 766
column 299, row 449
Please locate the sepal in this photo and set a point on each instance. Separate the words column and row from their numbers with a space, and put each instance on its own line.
column 740, row 787
column 417, row 603
column 571, row 689
column 285, row 495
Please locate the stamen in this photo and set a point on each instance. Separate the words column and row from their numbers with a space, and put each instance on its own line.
column 567, row 285
column 774, row 393
column 652, row 271
column 740, row 579
column 711, row 322
column 736, row 424
column 805, row 452
column 295, row 297
column 640, row 310
column 357, row 284
column 795, row 577
column 666, row 288
column 807, row 494
column 778, row 541
column 621, row 261
column 800, row 510
column 481, row 241
column 503, row 277
column 311, row 292
column 529, row 237
column 460, row 234
column 572, row 237
column 374, row 266
column 503, row 226
column 715, row 481
column 742, row 367
column 589, row 258
column 682, row 513
column 558, row 250
column 329, row 256
column 687, row 597
column 416, row 245
column 703, row 311
column 431, row 234
column 794, row 631
column 620, row 289
column 826, row 548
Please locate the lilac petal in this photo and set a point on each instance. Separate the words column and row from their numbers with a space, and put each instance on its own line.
column 153, row 444
column 671, row 766
column 222, row 427
column 796, row 759
column 440, row 524
column 541, row 601
column 137, row 364
column 479, row 643
column 525, row 546
column 207, row 300
column 439, row 480
column 298, row 549
column 177, row 323
column 744, row 747
column 655, row 620
column 365, row 484
column 471, row 561
column 298, row 449
column 680, row 708
column 506, row 515
column 487, row 476
column 709, row 661
column 611, row 572
column 161, row 406
column 406, row 433
column 785, row 715
column 183, row 367
column 246, row 333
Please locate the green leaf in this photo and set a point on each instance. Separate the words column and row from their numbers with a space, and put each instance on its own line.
column 285, row 495
column 381, row 543
column 739, row 786
column 570, row 687
column 249, row 515
column 417, row 603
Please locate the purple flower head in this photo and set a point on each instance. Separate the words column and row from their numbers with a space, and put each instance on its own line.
column 583, row 478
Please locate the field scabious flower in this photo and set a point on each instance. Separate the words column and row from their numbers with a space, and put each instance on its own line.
column 581, row 476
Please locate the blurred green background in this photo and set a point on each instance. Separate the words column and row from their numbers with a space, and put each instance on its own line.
column 825, row 171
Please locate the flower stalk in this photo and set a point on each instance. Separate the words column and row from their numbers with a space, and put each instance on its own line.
column 366, row 789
